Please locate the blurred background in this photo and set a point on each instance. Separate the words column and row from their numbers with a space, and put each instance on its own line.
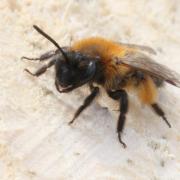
column 36, row 142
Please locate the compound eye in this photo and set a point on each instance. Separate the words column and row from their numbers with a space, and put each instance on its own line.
column 82, row 65
column 65, row 71
column 64, row 77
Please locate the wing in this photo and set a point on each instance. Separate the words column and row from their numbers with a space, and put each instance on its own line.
column 139, row 47
column 144, row 63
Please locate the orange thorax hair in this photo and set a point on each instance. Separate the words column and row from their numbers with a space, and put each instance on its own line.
column 106, row 50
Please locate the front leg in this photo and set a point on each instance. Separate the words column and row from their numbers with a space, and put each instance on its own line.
column 87, row 102
column 41, row 70
column 43, row 57
column 122, row 96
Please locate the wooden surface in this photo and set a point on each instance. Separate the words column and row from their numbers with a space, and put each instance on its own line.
column 35, row 139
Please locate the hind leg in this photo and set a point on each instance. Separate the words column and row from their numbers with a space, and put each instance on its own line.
column 43, row 57
column 160, row 113
column 147, row 91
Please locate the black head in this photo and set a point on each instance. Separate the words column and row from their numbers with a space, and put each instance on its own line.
column 73, row 69
column 77, row 71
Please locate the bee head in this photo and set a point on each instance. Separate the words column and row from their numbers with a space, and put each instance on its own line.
column 73, row 69
column 76, row 70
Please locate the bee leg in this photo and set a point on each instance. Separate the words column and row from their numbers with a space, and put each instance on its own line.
column 41, row 70
column 87, row 102
column 123, row 97
column 43, row 57
column 161, row 113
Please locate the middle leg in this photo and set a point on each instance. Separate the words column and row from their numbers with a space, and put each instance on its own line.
column 122, row 96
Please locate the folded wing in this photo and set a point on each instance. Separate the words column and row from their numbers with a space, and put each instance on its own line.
column 142, row 62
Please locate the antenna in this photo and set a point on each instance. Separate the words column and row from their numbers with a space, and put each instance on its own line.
column 52, row 40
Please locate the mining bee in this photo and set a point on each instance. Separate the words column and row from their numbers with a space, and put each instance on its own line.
column 116, row 67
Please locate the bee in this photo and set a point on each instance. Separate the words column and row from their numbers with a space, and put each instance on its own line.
column 117, row 67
